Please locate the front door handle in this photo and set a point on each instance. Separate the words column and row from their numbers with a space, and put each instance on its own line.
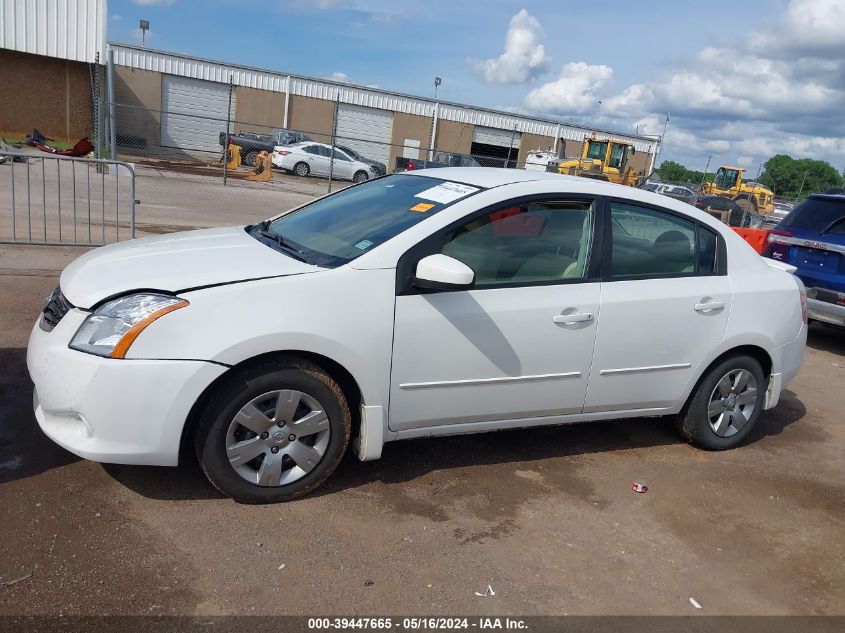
column 707, row 307
column 578, row 317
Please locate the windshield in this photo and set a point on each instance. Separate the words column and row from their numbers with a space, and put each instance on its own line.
column 597, row 150
column 726, row 178
column 338, row 228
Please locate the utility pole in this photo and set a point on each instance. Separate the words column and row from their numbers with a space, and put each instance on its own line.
column 662, row 140
column 706, row 167
column 801, row 189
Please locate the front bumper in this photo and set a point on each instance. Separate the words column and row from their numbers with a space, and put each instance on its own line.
column 117, row 411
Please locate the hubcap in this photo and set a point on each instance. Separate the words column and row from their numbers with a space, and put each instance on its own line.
column 264, row 455
column 732, row 402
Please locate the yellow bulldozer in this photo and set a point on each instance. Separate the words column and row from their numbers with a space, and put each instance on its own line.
column 602, row 159
column 752, row 196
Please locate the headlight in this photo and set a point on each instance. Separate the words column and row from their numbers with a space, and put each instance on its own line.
column 112, row 328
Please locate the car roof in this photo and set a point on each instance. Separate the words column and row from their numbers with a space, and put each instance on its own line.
column 829, row 197
column 489, row 176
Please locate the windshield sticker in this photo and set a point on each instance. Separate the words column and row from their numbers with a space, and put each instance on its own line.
column 363, row 245
column 446, row 192
column 422, row 207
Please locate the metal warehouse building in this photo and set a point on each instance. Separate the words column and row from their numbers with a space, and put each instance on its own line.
column 51, row 62
column 173, row 88
column 48, row 50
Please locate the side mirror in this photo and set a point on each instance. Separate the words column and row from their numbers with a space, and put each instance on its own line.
column 441, row 272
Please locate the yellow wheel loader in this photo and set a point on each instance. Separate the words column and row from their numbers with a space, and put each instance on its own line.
column 602, row 159
column 751, row 196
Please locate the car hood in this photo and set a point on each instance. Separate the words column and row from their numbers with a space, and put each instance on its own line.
column 174, row 262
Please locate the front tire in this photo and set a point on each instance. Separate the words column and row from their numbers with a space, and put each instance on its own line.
column 272, row 431
column 725, row 405
column 360, row 176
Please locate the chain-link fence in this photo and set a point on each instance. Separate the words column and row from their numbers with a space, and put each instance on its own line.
column 311, row 160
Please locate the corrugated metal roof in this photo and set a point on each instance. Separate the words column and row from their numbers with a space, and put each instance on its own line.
column 67, row 29
column 199, row 68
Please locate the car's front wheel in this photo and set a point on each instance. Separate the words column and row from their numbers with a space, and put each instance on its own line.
column 272, row 431
column 360, row 176
column 725, row 405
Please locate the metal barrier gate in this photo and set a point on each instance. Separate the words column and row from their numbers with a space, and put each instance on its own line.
column 50, row 199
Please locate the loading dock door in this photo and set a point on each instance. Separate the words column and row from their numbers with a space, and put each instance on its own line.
column 366, row 130
column 495, row 147
column 193, row 113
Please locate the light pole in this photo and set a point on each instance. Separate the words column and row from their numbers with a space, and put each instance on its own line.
column 144, row 26
column 437, row 82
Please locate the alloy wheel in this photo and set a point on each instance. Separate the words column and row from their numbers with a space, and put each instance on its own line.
column 278, row 437
column 732, row 402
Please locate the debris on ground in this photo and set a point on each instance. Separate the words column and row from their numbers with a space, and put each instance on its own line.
column 639, row 487
column 694, row 602
column 488, row 592
column 15, row 581
column 369, row 583
column 282, row 566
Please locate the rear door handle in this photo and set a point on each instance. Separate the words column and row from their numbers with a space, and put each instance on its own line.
column 578, row 317
column 707, row 307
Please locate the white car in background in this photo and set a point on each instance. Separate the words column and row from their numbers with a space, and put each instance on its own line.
column 309, row 158
column 427, row 303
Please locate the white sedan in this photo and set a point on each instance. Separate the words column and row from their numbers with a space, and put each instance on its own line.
column 443, row 301
column 310, row 158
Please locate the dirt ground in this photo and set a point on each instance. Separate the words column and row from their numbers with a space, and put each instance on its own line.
column 546, row 517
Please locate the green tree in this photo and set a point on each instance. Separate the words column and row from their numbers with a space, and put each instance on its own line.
column 670, row 171
column 789, row 177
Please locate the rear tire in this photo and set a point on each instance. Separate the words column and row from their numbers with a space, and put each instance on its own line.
column 299, row 448
column 301, row 169
column 249, row 158
column 725, row 405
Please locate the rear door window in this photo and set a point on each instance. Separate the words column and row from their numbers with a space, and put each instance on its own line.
column 650, row 242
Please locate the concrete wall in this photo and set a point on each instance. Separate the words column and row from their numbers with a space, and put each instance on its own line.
column 453, row 136
column 409, row 126
column 53, row 95
column 312, row 116
column 138, row 95
column 531, row 142
column 258, row 110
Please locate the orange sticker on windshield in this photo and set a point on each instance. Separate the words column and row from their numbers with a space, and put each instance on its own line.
column 422, row 207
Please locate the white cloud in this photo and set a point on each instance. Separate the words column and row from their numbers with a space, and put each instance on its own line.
column 778, row 89
column 339, row 76
column 524, row 57
column 149, row 3
column 574, row 91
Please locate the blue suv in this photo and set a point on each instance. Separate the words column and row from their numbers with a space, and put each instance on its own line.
column 812, row 238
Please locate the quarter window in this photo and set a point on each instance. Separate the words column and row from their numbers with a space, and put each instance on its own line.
column 527, row 243
column 648, row 242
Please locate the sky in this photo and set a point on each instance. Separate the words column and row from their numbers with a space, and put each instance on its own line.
column 739, row 82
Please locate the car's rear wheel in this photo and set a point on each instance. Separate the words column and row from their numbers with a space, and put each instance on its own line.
column 725, row 406
column 250, row 158
column 301, row 169
column 360, row 176
column 273, row 431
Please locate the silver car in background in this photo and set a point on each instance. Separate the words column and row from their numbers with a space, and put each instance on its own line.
column 310, row 158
